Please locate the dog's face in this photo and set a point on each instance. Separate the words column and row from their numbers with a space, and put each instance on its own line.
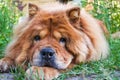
column 50, row 42
column 51, row 37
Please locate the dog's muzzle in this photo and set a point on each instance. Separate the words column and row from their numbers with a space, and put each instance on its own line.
column 47, row 56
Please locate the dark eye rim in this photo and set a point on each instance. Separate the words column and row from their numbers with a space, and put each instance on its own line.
column 37, row 38
column 63, row 40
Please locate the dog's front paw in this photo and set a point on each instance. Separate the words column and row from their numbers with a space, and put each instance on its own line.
column 41, row 73
column 5, row 64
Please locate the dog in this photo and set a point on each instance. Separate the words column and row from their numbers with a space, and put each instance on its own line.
column 53, row 38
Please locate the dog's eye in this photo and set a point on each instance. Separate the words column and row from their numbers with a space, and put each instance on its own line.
column 62, row 40
column 37, row 38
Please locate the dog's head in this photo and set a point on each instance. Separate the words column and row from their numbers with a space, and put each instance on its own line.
column 54, row 36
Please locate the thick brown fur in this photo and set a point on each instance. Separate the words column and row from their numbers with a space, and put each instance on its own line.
column 85, row 39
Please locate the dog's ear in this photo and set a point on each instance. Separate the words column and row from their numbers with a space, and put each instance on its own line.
column 73, row 14
column 32, row 9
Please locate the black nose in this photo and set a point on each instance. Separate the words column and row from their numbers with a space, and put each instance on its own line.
column 47, row 53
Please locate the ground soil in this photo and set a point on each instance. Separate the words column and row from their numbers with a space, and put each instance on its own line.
column 9, row 76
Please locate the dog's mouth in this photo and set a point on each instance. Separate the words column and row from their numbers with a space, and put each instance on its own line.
column 49, row 57
column 54, row 63
column 48, row 63
column 45, row 63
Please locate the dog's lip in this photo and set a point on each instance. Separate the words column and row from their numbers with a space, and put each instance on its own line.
column 46, row 64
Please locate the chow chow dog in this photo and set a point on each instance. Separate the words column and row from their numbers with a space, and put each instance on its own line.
column 53, row 38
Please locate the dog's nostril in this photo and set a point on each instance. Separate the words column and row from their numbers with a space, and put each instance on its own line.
column 43, row 54
column 51, row 54
column 47, row 53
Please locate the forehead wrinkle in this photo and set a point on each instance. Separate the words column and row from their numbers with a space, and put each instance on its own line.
column 49, row 19
column 37, row 27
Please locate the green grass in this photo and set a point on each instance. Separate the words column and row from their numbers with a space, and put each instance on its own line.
column 104, row 69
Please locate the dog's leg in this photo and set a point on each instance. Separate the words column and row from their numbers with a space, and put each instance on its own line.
column 21, row 60
column 5, row 64
column 41, row 73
